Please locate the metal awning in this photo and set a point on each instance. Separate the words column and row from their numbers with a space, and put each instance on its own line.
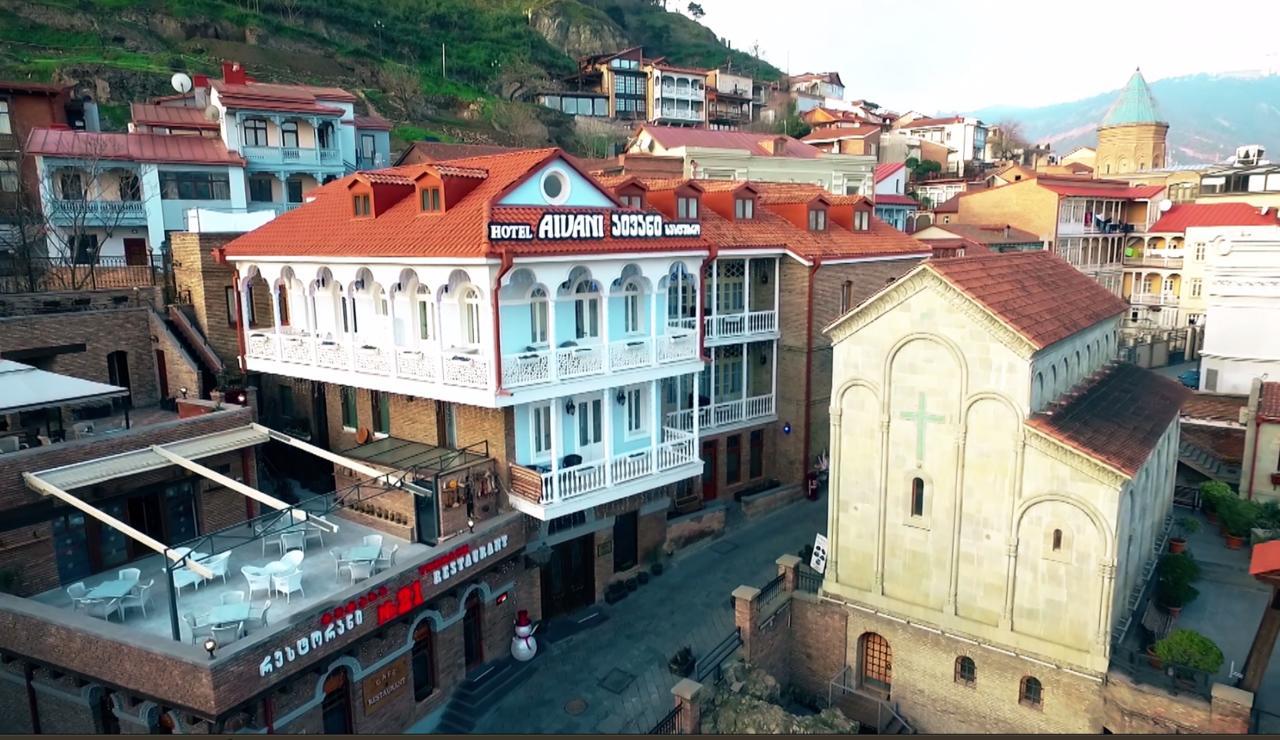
column 102, row 469
column 25, row 388
column 402, row 454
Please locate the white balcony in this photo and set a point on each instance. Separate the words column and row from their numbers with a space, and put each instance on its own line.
column 546, row 494
column 737, row 326
column 1154, row 299
column 543, row 366
column 292, row 156
column 725, row 414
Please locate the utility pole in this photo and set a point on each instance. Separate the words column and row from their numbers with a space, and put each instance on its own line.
column 444, row 72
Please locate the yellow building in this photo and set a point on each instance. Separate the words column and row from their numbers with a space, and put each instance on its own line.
column 1131, row 137
column 1260, row 472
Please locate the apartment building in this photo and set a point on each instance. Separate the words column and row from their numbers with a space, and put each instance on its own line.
column 966, row 135
column 729, row 100
column 677, row 96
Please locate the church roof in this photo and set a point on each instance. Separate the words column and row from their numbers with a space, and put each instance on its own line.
column 1135, row 105
column 1118, row 418
column 1037, row 294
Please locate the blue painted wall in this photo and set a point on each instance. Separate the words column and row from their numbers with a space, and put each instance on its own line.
column 569, row 428
column 582, row 192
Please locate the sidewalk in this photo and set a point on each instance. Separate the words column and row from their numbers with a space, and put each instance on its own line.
column 687, row 605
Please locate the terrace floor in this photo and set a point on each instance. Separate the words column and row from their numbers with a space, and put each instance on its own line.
column 319, row 581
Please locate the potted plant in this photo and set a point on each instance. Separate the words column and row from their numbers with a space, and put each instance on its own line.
column 1174, row 576
column 1185, row 648
column 1267, row 526
column 682, row 662
column 1184, row 526
column 1211, row 494
column 1238, row 517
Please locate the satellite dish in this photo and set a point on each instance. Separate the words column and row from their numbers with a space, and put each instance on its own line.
column 1165, row 205
column 180, row 82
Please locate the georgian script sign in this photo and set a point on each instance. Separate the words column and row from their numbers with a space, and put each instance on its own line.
column 585, row 226
column 318, row 638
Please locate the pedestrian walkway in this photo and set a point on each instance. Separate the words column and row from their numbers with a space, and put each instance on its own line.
column 619, row 669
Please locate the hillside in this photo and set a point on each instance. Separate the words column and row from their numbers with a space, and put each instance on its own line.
column 1208, row 115
column 448, row 69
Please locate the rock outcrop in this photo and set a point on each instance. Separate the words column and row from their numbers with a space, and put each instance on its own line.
column 749, row 702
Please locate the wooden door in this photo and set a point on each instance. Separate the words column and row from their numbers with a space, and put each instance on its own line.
column 710, row 469
column 162, row 374
column 473, row 631
column 135, row 252
column 877, row 664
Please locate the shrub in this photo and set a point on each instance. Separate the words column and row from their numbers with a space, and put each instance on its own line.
column 1238, row 515
column 1189, row 649
column 1212, row 493
column 1187, row 526
column 1174, row 576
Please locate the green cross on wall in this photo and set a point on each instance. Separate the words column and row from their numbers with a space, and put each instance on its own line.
column 921, row 418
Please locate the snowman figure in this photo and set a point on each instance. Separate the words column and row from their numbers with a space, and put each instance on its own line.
column 523, row 645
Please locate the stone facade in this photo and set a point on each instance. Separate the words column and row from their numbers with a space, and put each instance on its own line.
column 202, row 283
column 1131, row 148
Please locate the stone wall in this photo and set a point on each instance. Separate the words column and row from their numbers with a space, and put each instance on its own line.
column 203, row 281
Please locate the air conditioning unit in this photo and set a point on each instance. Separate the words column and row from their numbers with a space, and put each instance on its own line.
column 1249, row 155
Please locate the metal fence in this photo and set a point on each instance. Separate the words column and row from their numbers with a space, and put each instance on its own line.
column 711, row 662
column 45, row 274
column 808, row 580
column 1149, row 670
column 670, row 724
column 770, row 591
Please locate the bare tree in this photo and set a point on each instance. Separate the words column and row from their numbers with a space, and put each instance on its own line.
column 1010, row 139
column 291, row 9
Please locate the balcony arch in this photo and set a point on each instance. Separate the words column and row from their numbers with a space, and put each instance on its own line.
column 326, row 295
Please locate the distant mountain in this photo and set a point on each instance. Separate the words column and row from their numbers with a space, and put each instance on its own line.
column 1208, row 115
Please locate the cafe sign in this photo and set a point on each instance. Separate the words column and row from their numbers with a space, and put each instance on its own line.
column 557, row 226
column 384, row 684
column 299, row 648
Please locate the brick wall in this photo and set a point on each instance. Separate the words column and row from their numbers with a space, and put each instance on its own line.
column 196, row 274
column 769, row 469
column 181, row 370
column 1023, row 205
column 101, row 332
column 22, row 304
column 1134, row 708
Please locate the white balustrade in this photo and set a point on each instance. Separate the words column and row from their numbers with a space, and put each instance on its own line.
column 373, row 360
column 676, row 347
column 571, row 482
column 261, row 346
column 418, row 365
column 576, row 362
column 296, row 349
column 332, row 354
column 629, row 354
column 677, row 452
column 722, row 414
column 471, row 371
column 631, row 466
column 741, row 324
column 526, row 368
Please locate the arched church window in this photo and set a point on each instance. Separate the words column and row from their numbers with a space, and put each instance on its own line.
column 917, row 497
column 1057, row 540
column 966, row 671
column 1031, row 693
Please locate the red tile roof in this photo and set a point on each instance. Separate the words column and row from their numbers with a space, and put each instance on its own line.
column 950, row 205
column 1265, row 558
column 990, row 233
column 1118, row 416
column 887, row 169
column 923, row 122
column 672, row 137
column 894, row 199
column 35, row 88
column 1214, row 407
column 373, row 123
column 1182, row 215
column 1269, row 401
column 945, row 247
column 173, row 116
column 292, row 98
column 1038, row 294
column 1225, row 444
column 130, row 147
column 325, row 227
column 1085, row 188
column 836, row 133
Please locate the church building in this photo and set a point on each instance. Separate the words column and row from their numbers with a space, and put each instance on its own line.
column 998, row 488
column 1132, row 136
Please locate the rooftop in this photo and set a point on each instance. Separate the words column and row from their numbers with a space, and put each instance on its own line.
column 1037, row 294
column 887, row 169
column 1117, row 417
column 1269, row 401
column 1183, row 215
column 675, row 137
column 132, row 147
column 1214, row 407
column 1135, row 105
column 150, row 114
column 990, row 234
column 25, row 388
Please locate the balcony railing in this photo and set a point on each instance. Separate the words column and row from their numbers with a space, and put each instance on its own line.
column 1171, row 259
column 723, row 414
column 681, row 115
column 43, row 275
column 91, row 212
column 539, row 366
column 290, row 155
column 724, row 326
column 1154, row 299
column 551, row 487
column 427, row 364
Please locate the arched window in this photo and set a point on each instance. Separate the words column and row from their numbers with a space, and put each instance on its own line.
column 586, row 310
column 426, row 316
column 631, row 322
column 335, row 708
column 917, row 497
column 681, row 296
column 470, row 300
column 1038, row 391
column 1057, row 540
column 876, row 669
column 423, row 661
column 282, row 302
column 538, row 316
column 1031, row 693
column 966, row 671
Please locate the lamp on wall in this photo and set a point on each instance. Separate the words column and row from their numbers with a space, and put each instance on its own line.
column 621, row 398
column 210, row 645
column 568, row 406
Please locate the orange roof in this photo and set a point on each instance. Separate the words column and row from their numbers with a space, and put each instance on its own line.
column 170, row 115
column 1119, row 415
column 1269, row 401
column 1214, row 407
column 1265, row 558
column 51, row 142
column 1182, row 215
column 1038, row 294
column 1081, row 187
column 674, row 137
column 836, row 133
column 293, row 98
column 887, row 169
column 325, row 227
column 375, row 123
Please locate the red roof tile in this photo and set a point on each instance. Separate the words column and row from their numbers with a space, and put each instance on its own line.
column 373, row 123
column 325, row 227
column 1214, row 407
column 672, row 137
column 1179, row 217
column 944, row 248
column 168, row 115
column 923, row 122
column 887, row 169
column 35, row 88
column 893, row 199
column 950, row 205
column 1118, row 417
column 1265, row 558
column 836, row 133
column 293, row 98
column 1086, row 188
column 990, row 233
column 130, row 147
column 1225, row 444
column 1269, row 401
column 1038, row 294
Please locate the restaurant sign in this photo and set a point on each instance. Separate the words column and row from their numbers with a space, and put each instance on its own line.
column 335, row 628
column 585, row 226
column 384, row 684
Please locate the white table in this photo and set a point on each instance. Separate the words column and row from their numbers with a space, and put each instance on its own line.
column 363, row 553
column 229, row 613
column 109, row 590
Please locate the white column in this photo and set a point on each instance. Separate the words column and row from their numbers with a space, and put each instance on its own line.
column 655, row 414
column 746, row 297
column 390, row 332
column 714, row 297
column 557, row 431
column 777, row 280
column 607, row 403
column 745, row 362
column 711, row 390
column 696, row 426
column 552, row 365
column 439, row 340
column 604, row 319
column 653, row 325
column 773, row 384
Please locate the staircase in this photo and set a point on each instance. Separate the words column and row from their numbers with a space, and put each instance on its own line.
column 475, row 696
column 192, row 340
column 1140, row 587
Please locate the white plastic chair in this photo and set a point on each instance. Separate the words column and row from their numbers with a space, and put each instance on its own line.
column 287, row 584
column 314, row 533
column 257, row 580
column 77, row 592
column 103, row 608
column 294, row 539
column 227, row 634
column 373, row 539
column 131, row 574
column 361, row 570
column 232, row 597
column 340, row 563
column 293, row 558
column 197, row 626
column 387, row 558
column 259, row 615
column 138, row 598
column 217, row 565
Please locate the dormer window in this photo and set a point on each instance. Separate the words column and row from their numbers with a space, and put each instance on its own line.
column 631, row 201
column 744, row 209
column 817, row 219
column 362, row 205
column 687, row 208
column 861, row 220
column 430, row 200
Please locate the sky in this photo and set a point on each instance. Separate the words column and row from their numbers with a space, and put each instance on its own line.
column 942, row 57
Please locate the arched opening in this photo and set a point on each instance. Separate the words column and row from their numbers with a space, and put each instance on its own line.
column 917, row 497
column 423, row 661
column 473, row 630
column 425, row 311
column 118, row 374
column 335, row 708
column 876, row 659
column 586, row 310
column 1057, row 540
column 538, row 316
column 966, row 671
column 1031, row 693
column 469, row 302
column 632, row 323
column 682, row 293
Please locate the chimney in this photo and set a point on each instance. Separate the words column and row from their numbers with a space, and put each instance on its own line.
column 779, row 146
column 1006, row 231
column 233, row 73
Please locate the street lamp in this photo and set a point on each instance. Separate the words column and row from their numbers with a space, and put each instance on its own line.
column 210, row 645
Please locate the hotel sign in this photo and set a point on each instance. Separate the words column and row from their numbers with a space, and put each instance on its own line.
column 588, row 226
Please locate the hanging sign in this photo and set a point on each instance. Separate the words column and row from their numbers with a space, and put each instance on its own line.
column 818, row 561
column 559, row 226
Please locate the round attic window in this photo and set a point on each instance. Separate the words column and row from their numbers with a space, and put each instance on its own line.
column 555, row 187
